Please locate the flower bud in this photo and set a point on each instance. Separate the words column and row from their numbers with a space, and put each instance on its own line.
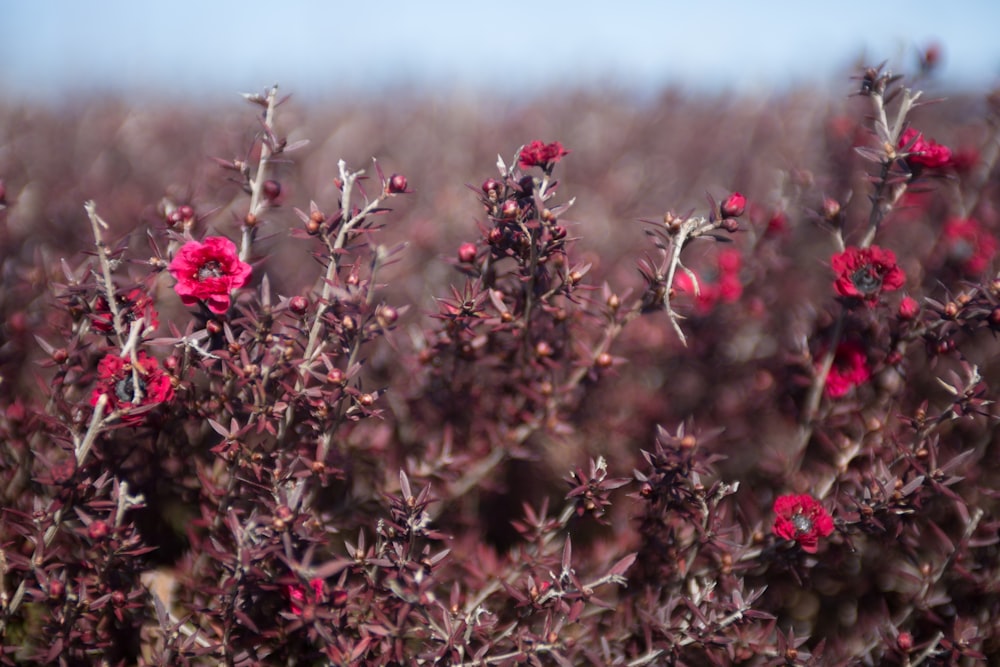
column 509, row 209
column 733, row 206
column 271, row 189
column 830, row 208
column 298, row 304
column 98, row 530
column 905, row 642
column 386, row 316
column 467, row 253
column 908, row 308
column 56, row 588
column 397, row 184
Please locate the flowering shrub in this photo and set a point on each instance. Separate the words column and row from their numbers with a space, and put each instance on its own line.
column 297, row 414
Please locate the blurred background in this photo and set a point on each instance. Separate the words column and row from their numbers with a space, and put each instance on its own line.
column 58, row 50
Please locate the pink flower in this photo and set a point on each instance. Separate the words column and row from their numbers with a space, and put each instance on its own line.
column 209, row 272
column 969, row 245
column 802, row 519
column 540, row 154
column 864, row 273
column 115, row 378
column 299, row 597
column 849, row 369
column 137, row 304
column 924, row 152
column 908, row 308
column 733, row 206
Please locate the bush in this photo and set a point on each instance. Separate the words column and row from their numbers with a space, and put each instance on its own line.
column 772, row 443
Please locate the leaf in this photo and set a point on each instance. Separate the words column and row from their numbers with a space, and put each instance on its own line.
column 623, row 565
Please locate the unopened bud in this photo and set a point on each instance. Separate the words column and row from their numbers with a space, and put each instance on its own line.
column 397, row 184
column 733, row 206
column 467, row 253
column 271, row 189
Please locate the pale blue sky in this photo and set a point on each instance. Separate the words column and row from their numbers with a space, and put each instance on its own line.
column 49, row 48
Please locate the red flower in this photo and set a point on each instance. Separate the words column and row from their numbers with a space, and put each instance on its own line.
column 539, row 154
column 116, row 379
column 733, row 206
column 969, row 244
column 864, row 273
column 209, row 271
column 299, row 597
column 924, row 152
column 850, row 369
column 137, row 304
column 908, row 308
column 802, row 519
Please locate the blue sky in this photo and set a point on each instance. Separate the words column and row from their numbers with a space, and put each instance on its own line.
column 53, row 48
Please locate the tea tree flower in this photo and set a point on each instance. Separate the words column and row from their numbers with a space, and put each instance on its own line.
column 209, row 272
column 850, row 369
column 864, row 273
column 924, row 152
column 125, row 389
column 540, row 154
column 299, row 596
column 137, row 304
column 801, row 519
column 969, row 245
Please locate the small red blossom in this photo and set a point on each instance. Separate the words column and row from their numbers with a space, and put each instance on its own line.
column 209, row 272
column 969, row 245
column 924, row 152
column 540, row 154
column 864, row 273
column 115, row 378
column 801, row 519
column 299, row 596
column 908, row 308
column 849, row 369
column 733, row 205
column 132, row 307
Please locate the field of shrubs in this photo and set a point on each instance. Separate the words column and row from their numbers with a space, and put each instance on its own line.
column 580, row 379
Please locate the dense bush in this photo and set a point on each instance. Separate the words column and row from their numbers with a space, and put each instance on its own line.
column 253, row 416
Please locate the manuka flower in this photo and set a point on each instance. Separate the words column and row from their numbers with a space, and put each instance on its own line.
column 540, row 154
column 137, row 304
column 849, row 369
column 116, row 379
column 801, row 519
column 864, row 273
column 924, row 152
column 969, row 245
column 209, row 272
column 299, row 596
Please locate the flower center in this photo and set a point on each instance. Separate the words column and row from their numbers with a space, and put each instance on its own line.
column 125, row 389
column 867, row 280
column 802, row 523
column 210, row 269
